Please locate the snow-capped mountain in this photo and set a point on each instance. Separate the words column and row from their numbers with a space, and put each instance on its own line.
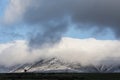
column 58, row 65
column 49, row 65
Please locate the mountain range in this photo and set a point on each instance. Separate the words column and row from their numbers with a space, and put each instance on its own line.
column 55, row 65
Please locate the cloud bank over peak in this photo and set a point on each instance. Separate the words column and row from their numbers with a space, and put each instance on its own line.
column 83, row 51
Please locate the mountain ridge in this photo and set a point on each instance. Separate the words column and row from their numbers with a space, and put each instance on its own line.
column 56, row 65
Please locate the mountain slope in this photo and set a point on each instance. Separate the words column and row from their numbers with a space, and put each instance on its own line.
column 48, row 65
column 57, row 65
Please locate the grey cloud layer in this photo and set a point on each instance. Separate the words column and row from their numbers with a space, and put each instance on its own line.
column 52, row 17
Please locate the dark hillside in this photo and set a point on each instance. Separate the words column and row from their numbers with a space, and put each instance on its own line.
column 60, row 76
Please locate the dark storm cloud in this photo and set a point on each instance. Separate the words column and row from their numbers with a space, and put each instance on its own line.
column 50, row 35
column 51, row 17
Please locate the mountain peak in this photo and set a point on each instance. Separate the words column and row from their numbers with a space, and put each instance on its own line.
column 57, row 65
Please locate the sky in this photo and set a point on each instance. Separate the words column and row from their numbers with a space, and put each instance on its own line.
column 71, row 32
column 32, row 25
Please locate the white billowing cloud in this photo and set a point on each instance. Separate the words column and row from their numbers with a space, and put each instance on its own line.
column 84, row 51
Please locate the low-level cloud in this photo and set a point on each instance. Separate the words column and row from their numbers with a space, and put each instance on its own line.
column 83, row 51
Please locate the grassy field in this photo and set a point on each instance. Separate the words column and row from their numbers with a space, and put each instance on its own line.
column 60, row 76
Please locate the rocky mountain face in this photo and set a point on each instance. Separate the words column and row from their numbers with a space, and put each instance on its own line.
column 57, row 65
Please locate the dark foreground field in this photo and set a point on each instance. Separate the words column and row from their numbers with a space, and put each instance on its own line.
column 59, row 76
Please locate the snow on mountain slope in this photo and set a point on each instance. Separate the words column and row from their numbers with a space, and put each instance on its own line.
column 57, row 65
column 48, row 65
